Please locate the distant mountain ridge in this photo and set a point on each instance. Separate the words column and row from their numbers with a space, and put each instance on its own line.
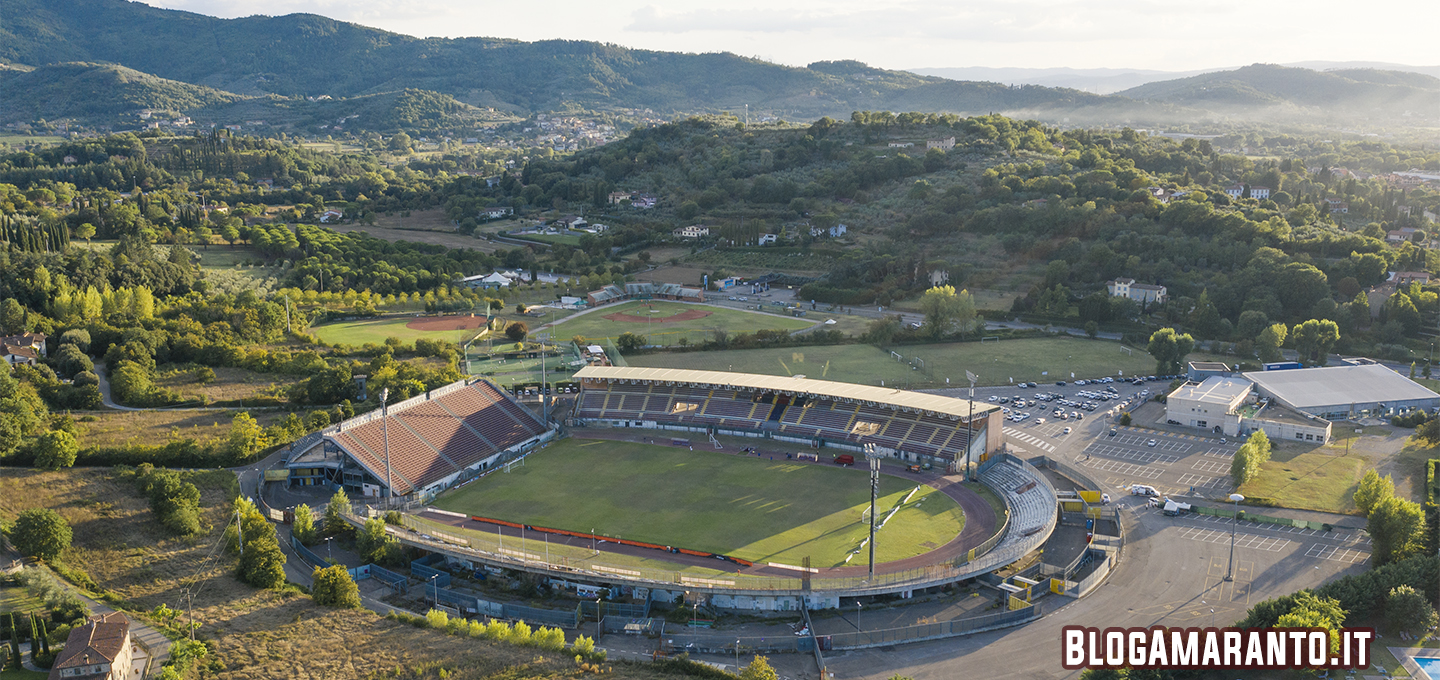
column 1111, row 80
column 1354, row 91
column 84, row 90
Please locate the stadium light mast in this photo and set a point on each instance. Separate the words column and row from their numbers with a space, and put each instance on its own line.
column 970, row 424
column 385, row 428
column 874, row 459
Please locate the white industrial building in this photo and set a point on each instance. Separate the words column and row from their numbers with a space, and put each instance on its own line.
column 1229, row 405
column 1343, row 392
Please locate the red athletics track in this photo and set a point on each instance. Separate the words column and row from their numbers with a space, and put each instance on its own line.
column 980, row 523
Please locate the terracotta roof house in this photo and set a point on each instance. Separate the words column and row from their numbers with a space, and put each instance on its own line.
column 98, row 650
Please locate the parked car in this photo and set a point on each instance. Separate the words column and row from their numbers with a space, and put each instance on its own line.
column 1065, row 431
column 1152, row 442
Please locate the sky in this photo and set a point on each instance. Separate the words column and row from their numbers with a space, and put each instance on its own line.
column 903, row 34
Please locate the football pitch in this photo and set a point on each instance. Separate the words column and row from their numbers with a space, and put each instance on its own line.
column 743, row 506
column 666, row 323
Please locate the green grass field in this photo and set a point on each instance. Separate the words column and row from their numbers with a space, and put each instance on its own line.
column 362, row 331
column 1321, row 479
column 760, row 510
column 595, row 327
column 995, row 362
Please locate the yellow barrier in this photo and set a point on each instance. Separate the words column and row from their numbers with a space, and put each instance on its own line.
column 1072, row 506
column 1017, row 603
column 1057, row 586
column 1090, row 496
column 1095, row 513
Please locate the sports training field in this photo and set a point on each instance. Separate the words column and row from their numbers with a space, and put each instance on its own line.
column 664, row 323
column 747, row 507
column 995, row 362
column 376, row 330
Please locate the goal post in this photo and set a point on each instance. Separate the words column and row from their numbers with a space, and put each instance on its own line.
column 897, row 356
column 989, row 338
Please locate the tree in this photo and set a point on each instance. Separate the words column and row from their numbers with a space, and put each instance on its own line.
column 303, row 526
column 1245, row 465
column 1395, row 525
column 1408, row 609
column 14, row 318
column 629, row 342
column 333, row 587
column 1170, row 349
column 85, row 231
column 70, row 359
column 1400, row 307
column 1092, row 329
column 56, row 450
column 400, row 143
column 246, row 437
column 374, row 545
column 1314, row 339
column 334, row 513
column 262, row 563
column 946, row 311
column 759, row 669
column 882, row 331
column 516, row 330
column 1269, row 342
column 41, row 532
column 1372, row 491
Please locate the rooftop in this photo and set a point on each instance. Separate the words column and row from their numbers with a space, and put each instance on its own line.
column 1314, row 387
column 1215, row 390
column 1209, row 366
column 879, row 396
column 98, row 641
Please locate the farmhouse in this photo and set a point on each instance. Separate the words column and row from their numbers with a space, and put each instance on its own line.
column 692, row 231
column 496, row 212
column 1143, row 293
column 98, row 650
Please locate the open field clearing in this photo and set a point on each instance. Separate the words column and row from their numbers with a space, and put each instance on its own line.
column 114, row 428
column 449, row 239
column 666, row 323
column 742, row 506
column 253, row 634
column 407, row 328
column 995, row 362
column 231, row 385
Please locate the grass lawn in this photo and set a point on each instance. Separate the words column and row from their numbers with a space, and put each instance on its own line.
column 22, row 674
column 596, row 327
column 230, row 384
column 361, row 331
column 1307, row 478
column 995, row 362
column 760, row 510
column 15, row 599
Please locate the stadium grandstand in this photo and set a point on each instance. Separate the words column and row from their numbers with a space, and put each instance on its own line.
column 908, row 425
column 430, row 442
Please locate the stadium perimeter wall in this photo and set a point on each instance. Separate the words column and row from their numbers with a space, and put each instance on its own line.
column 762, row 593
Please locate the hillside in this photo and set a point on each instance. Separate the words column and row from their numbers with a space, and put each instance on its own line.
column 1266, row 85
column 97, row 91
column 308, row 55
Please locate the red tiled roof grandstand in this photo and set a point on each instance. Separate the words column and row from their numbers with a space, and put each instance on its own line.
column 838, row 412
column 431, row 439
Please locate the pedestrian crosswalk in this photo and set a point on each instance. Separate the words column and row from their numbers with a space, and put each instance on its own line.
column 1029, row 439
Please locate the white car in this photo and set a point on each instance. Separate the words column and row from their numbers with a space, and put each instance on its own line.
column 1065, row 431
column 994, row 398
column 1152, row 442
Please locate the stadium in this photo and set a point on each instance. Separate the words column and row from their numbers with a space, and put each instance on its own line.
column 641, row 498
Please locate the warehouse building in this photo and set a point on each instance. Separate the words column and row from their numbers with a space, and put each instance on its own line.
column 1229, row 406
column 1205, row 404
column 1343, row 392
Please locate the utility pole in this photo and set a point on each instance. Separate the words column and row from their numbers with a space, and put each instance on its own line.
column 970, row 424
column 190, row 607
column 1230, row 571
column 385, row 428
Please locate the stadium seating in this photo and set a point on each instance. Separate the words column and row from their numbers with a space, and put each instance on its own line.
column 431, row 439
column 833, row 420
column 1033, row 507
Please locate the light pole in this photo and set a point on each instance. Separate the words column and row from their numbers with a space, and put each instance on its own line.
column 330, row 548
column 874, row 489
column 970, row 423
column 436, row 585
column 858, row 607
column 1230, row 571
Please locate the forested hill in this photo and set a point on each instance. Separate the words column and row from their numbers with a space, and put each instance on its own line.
column 310, row 55
column 81, row 90
column 1360, row 91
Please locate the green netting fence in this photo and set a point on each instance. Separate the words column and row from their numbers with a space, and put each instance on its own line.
column 1262, row 519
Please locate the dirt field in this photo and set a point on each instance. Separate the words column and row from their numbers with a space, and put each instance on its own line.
column 446, row 323
column 229, row 385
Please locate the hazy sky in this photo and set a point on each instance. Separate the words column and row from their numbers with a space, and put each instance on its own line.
column 901, row 34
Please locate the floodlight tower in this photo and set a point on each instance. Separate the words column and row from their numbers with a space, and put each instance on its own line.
column 970, row 424
column 385, row 428
column 874, row 458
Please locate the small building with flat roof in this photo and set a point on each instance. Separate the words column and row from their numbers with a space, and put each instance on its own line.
column 1205, row 404
column 1200, row 370
column 1343, row 392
